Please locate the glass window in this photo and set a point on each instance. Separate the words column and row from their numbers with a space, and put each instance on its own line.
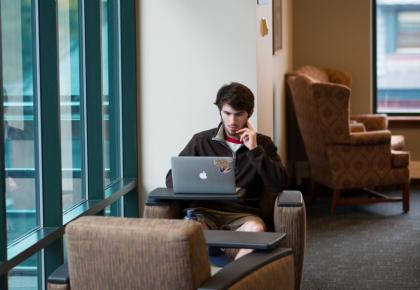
column 26, row 275
column 398, row 56
column 115, row 209
column 70, row 103
column 110, row 88
column 19, row 118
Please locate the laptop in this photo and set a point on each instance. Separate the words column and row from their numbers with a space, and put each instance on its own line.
column 203, row 174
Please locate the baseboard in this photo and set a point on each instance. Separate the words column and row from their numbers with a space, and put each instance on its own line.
column 415, row 169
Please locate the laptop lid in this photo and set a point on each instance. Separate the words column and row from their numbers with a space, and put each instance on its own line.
column 203, row 174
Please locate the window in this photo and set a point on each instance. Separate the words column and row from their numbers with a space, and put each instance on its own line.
column 70, row 102
column 26, row 275
column 19, row 118
column 397, row 74
column 62, row 99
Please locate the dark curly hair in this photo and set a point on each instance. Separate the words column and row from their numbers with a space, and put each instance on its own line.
column 237, row 95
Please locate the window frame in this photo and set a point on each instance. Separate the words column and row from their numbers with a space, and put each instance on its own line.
column 48, row 239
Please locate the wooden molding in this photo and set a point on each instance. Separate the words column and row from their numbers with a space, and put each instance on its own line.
column 415, row 169
column 404, row 121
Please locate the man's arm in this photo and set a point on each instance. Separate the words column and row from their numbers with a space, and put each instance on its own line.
column 269, row 166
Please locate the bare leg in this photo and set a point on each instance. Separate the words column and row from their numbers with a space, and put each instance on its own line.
column 249, row 226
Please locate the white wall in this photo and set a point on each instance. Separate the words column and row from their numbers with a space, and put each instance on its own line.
column 188, row 49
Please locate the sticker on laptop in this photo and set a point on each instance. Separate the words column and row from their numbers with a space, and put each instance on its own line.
column 223, row 165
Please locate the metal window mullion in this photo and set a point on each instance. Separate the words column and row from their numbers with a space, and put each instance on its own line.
column 114, row 96
column 50, row 130
column 37, row 136
column 3, row 223
column 374, row 52
column 94, row 96
column 129, row 101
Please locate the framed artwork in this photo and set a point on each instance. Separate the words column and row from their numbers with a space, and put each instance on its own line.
column 277, row 25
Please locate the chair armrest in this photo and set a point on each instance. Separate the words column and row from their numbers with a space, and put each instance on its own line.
column 357, row 127
column 290, row 218
column 243, row 240
column 372, row 122
column 290, row 198
column 370, row 137
column 59, row 279
column 242, row 268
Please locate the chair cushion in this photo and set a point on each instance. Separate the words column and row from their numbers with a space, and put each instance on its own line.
column 357, row 127
column 397, row 142
column 400, row 158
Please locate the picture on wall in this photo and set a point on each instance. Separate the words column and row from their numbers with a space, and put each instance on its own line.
column 277, row 25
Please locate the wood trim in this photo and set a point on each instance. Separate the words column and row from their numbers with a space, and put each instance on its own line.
column 404, row 121
column 415, row 169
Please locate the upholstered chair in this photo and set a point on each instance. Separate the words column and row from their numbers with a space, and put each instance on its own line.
column 340, row 158
column 358, row 123
column 284, row 212
column 108, row 253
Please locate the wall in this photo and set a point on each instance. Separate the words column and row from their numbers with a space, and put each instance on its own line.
column 336, row 34
column 188, row 49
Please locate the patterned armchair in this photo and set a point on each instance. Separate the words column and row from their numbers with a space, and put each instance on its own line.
column 120, row 253
column 341, row 157
column 358, row 123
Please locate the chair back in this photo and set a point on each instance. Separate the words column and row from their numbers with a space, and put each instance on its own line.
column 327, row 75
column 122, row 253
column 322, row 112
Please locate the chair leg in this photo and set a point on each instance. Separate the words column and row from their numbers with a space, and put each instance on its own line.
column 405, row 188
column 312, row 190
column 336, row 197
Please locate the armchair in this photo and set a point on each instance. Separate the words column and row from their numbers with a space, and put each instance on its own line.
column 120, row 253
column 358, row 123
column 286, row 211
column 339, row 158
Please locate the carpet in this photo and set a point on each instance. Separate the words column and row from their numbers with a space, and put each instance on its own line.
column 363, row 247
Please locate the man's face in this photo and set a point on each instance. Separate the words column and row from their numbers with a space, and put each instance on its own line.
column 233, row 120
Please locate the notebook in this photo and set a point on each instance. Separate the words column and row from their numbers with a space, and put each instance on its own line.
column 203, row 174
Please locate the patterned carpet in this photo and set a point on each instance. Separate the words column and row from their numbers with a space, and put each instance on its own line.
column 363, row 247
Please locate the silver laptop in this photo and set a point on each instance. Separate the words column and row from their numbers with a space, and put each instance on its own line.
column 203, row 174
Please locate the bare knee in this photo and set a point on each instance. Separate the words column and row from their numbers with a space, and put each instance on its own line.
column 252, row 226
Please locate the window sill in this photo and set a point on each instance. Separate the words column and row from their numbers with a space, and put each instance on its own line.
column 404, row 121
column 42, row 237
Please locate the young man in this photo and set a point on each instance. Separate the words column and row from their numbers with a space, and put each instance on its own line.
column 258, row 168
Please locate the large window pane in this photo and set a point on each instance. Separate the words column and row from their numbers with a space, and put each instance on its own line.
column 70, row 102
column 20, row 115
column 110, row 88
column 398, row 56
column 26, row 276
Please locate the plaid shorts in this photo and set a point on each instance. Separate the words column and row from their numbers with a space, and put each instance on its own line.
column 222, row 220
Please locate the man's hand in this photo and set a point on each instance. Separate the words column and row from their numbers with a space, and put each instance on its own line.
column 248, row 137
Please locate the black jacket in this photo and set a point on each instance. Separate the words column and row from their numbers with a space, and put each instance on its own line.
column 257, row 171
